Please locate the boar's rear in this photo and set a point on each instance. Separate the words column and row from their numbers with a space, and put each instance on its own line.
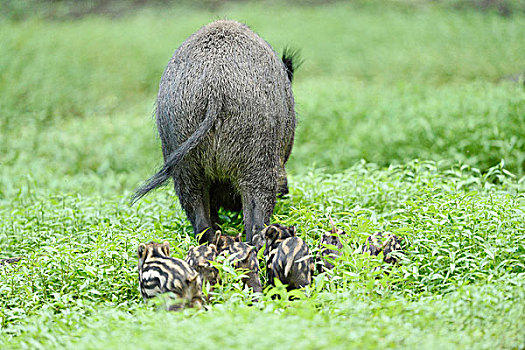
column 226, row 119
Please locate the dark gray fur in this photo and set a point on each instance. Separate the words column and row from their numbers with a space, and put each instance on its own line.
column 226, row 119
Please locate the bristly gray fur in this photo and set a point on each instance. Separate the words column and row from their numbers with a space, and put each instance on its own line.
column 226, row 119
column 174, row 158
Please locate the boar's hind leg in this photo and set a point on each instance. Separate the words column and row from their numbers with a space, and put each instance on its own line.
column 195, row 200
column 257, row 207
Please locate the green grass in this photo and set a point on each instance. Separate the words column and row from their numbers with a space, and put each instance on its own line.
column 376, row 82
column 381, row 87
column 463, row 270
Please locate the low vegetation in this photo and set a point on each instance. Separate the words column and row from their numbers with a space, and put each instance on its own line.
column 407, row 124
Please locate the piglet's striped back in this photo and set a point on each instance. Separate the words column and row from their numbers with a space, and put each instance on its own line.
column 159, row 273
column 291, row 263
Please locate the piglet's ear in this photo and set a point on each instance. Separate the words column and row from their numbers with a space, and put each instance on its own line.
column 141, row 250
column 192, row 278
column 331, row 223
column 216, row 237
column 238, row 238
column 271, row 233
column 263, row 232
column 166, row 248
column 292, row 230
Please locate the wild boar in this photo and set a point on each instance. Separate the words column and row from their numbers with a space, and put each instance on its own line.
column 287, row 257
column 199, row 258
column 243, row 256
column 226, row 120
column 330, row 249
column 388, row 243
column 159, row 273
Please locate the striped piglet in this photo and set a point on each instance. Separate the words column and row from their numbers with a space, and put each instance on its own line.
column 159, row 273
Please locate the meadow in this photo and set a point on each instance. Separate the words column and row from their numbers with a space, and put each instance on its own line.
column 411, row 120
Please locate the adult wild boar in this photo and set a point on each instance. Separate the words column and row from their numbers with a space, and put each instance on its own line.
column 226, row 119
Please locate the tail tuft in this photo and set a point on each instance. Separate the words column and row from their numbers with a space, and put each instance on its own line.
column 152, row 183
column 292, row 61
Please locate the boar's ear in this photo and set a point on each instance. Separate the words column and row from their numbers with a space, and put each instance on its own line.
column 166, row 248
column 141, row 250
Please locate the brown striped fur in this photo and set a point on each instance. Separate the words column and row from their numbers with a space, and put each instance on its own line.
column 199, row 258
column 222, row 242
column 243, row 256
column 10, row 260
column 258, row 241
column 274, row 234
column 159, row 273
column 329, row 254
column 291, row 263
column 388, row 243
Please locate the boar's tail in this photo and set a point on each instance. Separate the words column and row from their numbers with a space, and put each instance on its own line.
column 292, row 60
column 175, row 157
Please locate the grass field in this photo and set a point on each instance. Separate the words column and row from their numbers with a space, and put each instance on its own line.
column 407, row 124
